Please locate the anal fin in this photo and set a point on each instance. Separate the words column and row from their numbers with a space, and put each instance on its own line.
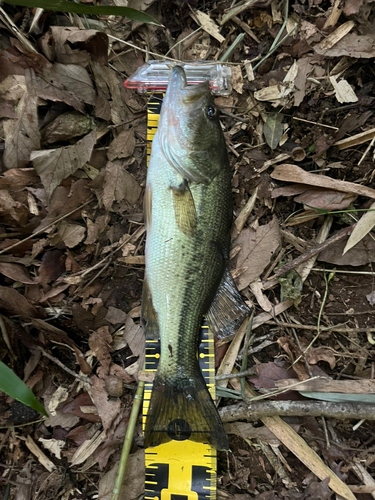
column 227, row 310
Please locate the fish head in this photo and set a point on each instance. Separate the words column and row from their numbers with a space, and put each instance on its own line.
column 190, row 133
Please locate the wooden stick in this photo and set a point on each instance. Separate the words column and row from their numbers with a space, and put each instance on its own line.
column 272, row 281
column 258, row 410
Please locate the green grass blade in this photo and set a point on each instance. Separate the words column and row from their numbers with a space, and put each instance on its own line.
column 15, row 388
column 79, row 8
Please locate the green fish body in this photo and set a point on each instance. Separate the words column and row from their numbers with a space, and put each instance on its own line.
column 188, row 213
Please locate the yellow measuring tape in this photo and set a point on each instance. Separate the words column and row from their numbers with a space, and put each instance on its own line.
column 178, row 470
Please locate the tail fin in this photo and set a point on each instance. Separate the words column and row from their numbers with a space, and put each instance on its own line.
column 182, row 408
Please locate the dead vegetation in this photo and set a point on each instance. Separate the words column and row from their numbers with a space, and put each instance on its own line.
column 300, row 130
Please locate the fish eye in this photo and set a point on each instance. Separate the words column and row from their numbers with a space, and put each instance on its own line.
column 211, row 112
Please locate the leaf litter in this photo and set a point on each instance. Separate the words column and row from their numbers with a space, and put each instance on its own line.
column 72, row 235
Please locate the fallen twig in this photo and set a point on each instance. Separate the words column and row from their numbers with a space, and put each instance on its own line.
column 272, row 281
column 82, row 378
column 45, row 227
column 314, row 123
column 128, row 441
column 299, row 448
column 258, row 410
column 322, row 329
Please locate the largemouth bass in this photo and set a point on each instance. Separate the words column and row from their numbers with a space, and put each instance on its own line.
column 188, row 215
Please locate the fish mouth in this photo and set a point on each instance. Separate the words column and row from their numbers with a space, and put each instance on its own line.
column 178, row 78
column 177, row 86
column 177, row 82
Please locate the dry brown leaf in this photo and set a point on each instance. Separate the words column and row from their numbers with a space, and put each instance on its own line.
column 316, row 354
column 351, row 122
column 93, row 45
column 94, row 229
column 208, row 25
column 277, row 93
column 134, row 479
column 46, row 89
column 363, row 227
column 114, row 315
column 74, row 408
column 71, row 234
column 100, row 342
column 65, row 200
column 269, row 373
column 361, row 254
column 325, row 199
column 352, row 7
column 122, row 146
column 54, row 165
column 22, row 134
column 352, row 45
column 336, row 36
column 343, row 91
column 14, row 303
column 12, row 208
column 52, row 266
column 119, row 185
column 107, row 82
column 237, row 80
column 12, row 88
column 304, row 69
column 16, row 179
column 135, row 337
column 16, row 272
column 54, row 292
column 102, row 107
column 257, row 248
column 293, row 353
column 292, row 173
column 72, row 78
column 54, row 446
column 23, row 490
column 247, row 430
column 240, row 222
column 108, row 409
column 86, row 449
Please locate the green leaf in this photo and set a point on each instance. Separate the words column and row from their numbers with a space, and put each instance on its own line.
column 79, row 8
column 15, row 388
column 273, row 129
column 225, row 392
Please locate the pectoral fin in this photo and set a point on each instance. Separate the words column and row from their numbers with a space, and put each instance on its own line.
column 228, row 310
column 149, row 316
column 184, row 209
